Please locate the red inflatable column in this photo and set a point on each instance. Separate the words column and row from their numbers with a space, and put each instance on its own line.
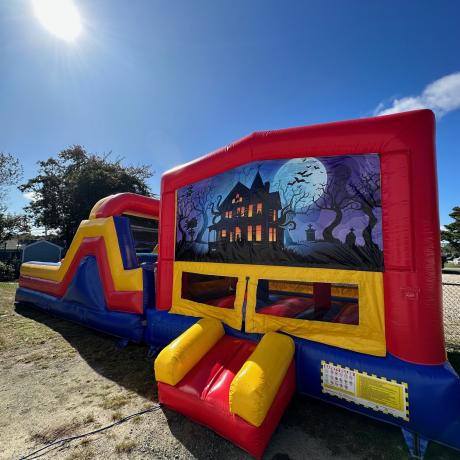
column 412, row 278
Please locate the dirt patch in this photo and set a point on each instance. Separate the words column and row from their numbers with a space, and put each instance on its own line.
column 58, row 379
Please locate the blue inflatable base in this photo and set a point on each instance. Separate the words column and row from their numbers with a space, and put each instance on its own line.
column 123, row 325
column 84, row 302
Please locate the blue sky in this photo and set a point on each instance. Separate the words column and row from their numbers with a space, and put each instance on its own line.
column 166, row 82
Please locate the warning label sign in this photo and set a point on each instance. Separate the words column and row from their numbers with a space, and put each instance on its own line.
column 377, row 393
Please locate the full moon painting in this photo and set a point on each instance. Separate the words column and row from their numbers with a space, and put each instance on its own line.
column 315, row 177
column 308, row 211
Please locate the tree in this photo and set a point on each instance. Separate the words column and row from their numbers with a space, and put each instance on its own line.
column 295, row 199
column 191, row 225
column 10, row 174
column 366, row 198
column 202, row 203
column 451, row 234
column 68, row 186
column 184, row 211
column 335, row 197
column 11, row 225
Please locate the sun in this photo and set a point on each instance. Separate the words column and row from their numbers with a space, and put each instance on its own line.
column 59, row 17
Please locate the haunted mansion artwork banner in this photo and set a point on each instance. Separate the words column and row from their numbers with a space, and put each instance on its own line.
column 308, row 212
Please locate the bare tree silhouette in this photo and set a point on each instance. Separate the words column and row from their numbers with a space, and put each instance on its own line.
column 334, row 196
column 184, row 211
column 367, row 197
column 190, row 225
column 295, row 199
column 202, row 203
column 215, row 210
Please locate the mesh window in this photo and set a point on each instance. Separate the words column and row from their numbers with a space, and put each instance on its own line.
column 216, row 291
column 329, row 302
column 145, row 233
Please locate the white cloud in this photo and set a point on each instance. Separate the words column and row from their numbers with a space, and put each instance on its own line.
column 442, row 96
column 30, row 196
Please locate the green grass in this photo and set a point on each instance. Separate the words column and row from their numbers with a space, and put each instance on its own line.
column 8, row 284
column 451, row 265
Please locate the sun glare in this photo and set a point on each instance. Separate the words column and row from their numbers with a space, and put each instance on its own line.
column 59, row 17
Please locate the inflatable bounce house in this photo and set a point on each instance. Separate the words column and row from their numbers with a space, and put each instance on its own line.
column 301, row 260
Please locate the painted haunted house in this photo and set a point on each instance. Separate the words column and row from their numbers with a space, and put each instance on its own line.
column 247, row 217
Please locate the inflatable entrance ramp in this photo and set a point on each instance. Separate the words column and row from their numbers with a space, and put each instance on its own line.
column 237, row 387
column 105, row 280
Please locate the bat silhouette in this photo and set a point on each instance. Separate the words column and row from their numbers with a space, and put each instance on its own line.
column 296, row 180
column 316, row 167
column 305, row 173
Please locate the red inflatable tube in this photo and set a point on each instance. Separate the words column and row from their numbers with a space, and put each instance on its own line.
column 128, row 202
column 412, row 276
column 123, row 301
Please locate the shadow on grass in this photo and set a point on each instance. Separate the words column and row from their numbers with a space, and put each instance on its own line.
column 129, row 367
column 200, row 441
column 346, row 432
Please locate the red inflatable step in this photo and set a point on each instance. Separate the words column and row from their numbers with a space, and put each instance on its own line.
column 203, row 395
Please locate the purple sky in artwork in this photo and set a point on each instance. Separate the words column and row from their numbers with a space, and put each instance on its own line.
column 350, row 167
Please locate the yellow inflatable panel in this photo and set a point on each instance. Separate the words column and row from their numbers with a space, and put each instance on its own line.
column 231, row 316
column 182, row 354
column 123, row 280
column 254, row 388
column 366, row 337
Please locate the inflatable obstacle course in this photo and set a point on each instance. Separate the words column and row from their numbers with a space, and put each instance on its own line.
column 100, row 282
column 304, row 259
